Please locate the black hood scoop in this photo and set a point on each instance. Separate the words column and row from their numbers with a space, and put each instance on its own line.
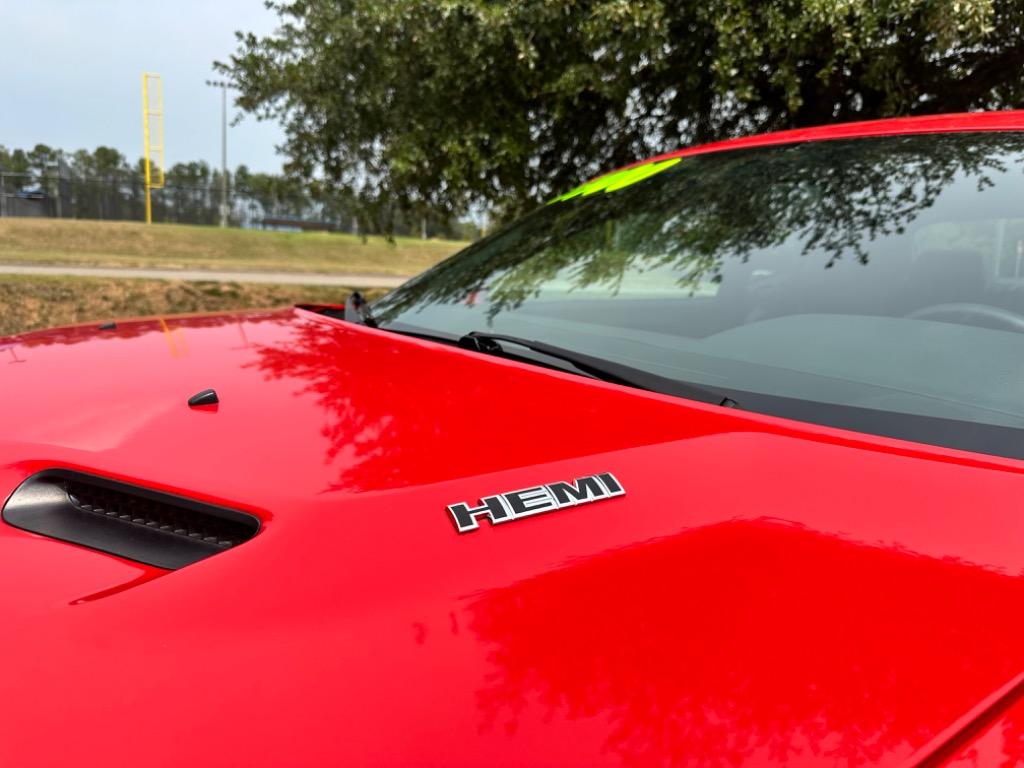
column 135, row 523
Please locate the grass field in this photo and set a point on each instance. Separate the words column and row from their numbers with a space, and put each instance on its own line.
column 176, row 246
column 31, row 302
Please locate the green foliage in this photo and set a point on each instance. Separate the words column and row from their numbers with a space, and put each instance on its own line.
column 447, row 104
column 282, row 195
column 37, row 161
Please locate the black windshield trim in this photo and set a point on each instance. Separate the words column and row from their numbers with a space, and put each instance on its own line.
column 978, row 437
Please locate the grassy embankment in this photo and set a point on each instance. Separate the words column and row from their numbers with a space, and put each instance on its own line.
column 177, row 246
column 29, row 302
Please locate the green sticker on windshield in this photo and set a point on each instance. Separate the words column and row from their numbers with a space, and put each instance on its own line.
column 616, row 180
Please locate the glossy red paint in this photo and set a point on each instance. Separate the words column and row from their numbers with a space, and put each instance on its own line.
column 1008, row 120
column 766, row 593
column 999, row 743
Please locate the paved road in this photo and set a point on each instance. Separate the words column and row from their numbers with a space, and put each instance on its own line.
column 281, row 278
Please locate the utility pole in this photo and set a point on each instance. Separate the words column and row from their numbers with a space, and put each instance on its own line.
column 223, row 147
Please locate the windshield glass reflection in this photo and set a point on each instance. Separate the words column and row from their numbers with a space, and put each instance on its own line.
column 885, row 275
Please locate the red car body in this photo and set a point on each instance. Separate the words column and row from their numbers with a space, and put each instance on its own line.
column 767, row 592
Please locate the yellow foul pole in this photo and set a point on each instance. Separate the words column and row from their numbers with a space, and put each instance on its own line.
column 152, row 135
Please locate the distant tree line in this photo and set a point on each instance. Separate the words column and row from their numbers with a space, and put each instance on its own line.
column 103, row 184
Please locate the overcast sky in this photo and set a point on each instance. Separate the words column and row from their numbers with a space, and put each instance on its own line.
column 70, row 74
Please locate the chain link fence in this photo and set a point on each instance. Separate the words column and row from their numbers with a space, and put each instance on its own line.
column 124, row 199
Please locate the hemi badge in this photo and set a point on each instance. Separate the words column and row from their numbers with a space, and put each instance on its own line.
column 536, row 500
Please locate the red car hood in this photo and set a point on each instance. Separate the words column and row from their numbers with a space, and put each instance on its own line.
column 764, row 593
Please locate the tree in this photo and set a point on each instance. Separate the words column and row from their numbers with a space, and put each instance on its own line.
column 443, row 104
column 43, row 160
column 13, row 161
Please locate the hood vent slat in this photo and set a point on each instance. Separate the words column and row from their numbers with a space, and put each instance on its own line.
column 125, row 520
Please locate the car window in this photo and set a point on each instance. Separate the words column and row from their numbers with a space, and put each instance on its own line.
column 875, row 283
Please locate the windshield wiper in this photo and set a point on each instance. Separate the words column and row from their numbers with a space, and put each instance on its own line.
column 605, row 370
column 357, row 310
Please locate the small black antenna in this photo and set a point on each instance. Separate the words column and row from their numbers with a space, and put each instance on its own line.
column 357, row 310
column 206, row 397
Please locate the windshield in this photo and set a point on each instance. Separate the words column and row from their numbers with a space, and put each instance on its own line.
column 875, row 284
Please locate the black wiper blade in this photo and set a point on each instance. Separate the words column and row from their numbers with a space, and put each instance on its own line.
column 599, row 368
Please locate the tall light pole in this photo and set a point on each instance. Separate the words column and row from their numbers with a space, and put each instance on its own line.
column 223, row 147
